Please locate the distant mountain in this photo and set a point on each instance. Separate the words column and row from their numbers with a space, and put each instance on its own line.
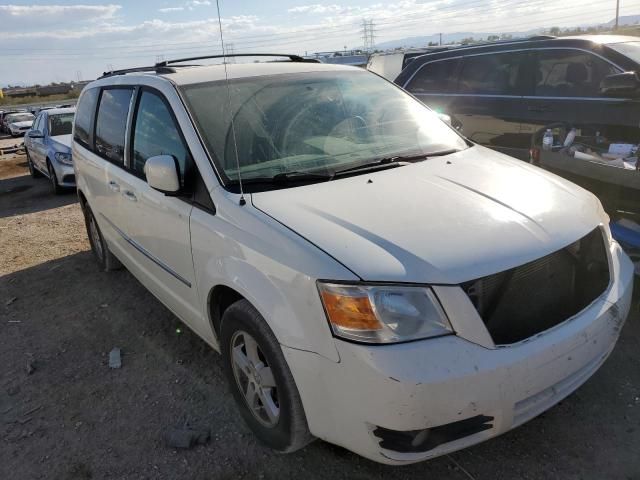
column 624, row 20
column 458, row 36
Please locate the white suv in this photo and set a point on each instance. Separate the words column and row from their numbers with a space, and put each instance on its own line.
column 370, row 276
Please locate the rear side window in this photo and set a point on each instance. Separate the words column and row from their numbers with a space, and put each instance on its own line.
column 84, row 117
column 492, row 74
column 435, row 77
column 570, row 73
column 111, row 123
column 156, row 133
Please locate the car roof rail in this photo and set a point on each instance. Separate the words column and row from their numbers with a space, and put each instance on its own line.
column 291, row 57
column 154, row 68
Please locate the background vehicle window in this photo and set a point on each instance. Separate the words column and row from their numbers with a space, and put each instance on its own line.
column 112, row 123
column 493, row 74
column 570, row 73
column 60, row 124
column 435, row 77
column 155, row 133
column 84, row 116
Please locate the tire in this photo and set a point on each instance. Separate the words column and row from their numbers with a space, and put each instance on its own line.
column 288, row 432
column 57, row 189
column 32, row 170
column 106, row 260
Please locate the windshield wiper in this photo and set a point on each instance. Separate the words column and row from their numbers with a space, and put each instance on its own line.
column 287, row 177
column 394, row 161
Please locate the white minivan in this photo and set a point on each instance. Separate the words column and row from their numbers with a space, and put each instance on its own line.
column 371, row 277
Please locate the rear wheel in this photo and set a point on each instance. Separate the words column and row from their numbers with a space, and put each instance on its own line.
column 106, row 260
column 260, row 380
column 32, row 170
column 55, row 186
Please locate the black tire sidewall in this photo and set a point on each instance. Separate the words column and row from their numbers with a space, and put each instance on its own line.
column 243, row 316
column 88, row 217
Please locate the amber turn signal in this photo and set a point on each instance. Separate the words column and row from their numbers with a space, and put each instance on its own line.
column 350, row 312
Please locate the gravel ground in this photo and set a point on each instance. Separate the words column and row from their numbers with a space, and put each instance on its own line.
column 65, row 415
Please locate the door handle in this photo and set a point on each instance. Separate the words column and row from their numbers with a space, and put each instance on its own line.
column 129, row 195
column 113, row 186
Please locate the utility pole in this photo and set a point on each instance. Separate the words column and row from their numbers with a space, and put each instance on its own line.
column 440, row 39
column 617, row 13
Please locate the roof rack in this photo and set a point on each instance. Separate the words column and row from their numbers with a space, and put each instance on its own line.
column 293, row 58
column 168, row 66
column 154, row 68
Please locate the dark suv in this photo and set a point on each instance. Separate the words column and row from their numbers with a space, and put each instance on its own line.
column 504, row 93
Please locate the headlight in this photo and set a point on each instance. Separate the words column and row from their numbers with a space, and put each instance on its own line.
column 64, row 158
column 383, row 313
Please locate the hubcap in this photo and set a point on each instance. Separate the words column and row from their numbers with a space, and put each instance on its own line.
column 95, row 237
column 255, row 379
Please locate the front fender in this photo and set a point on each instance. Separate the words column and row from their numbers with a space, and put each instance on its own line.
column 270, row 266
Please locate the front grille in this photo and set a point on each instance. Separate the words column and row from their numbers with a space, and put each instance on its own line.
column 519, row 303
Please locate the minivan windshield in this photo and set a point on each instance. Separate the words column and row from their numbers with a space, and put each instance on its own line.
column 628, row 49
column 313, row 123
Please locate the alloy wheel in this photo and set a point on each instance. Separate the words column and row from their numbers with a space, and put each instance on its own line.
column 255, row 379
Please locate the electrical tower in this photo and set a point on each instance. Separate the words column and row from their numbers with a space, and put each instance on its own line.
column 229, row 50
column 159, row 58
column 368, row 35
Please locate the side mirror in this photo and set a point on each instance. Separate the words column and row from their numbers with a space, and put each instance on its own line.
column 445, row 118
column 162, row 174
column 35, row 134
column 625, row 84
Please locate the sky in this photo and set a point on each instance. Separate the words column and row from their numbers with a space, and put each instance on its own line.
column 63, row 40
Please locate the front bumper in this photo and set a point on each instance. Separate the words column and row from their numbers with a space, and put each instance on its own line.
column 437, row 382
column 65, row 174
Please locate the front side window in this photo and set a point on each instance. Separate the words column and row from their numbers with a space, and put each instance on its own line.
column 84, row 116
column 155, row 133
column 491, row 74
column 111, row 123
column 435, row 77
column 312, row 123
column 570, row 73
column 60, row 124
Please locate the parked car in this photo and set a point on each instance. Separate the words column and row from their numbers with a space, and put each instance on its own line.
column 390, row 64
column 503, row 93
column 17, row 124
column 371, row 277
column 48, row 147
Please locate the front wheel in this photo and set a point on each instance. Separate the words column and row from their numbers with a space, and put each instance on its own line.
column 55, row 186
column 260, row 380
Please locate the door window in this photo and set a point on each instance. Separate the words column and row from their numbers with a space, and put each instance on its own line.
column 435, row 77
column 84, row 117
column 570, row 73
column 111, row 123
column 156, row 133
column 491, row 74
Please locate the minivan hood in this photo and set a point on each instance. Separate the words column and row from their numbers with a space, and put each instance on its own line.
column 62, row 143
column 445, row 220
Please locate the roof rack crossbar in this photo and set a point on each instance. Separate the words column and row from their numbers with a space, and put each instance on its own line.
column 293, row 58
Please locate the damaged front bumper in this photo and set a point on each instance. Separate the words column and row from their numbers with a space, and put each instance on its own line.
column 405, row 403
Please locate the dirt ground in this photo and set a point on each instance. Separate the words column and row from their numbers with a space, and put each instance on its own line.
column 65, row 415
